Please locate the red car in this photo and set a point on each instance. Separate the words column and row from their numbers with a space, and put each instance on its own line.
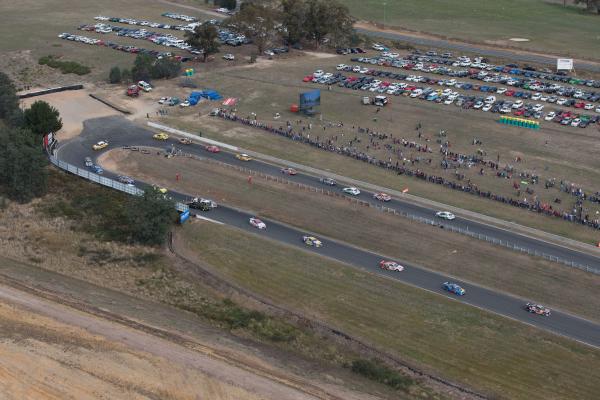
column 212, row 149
column 579, row 105
column 308, row 78
column 519, row 112
column 509, row 93
column 289, row 171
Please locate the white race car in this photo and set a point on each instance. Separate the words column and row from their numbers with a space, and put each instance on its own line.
column 257, row 223
column 390, row 265
column 445, row 215
column 351, row 190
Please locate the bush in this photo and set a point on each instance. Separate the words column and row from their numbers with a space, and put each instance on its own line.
column 114, row 75
column 376, row 371
column 66, row 67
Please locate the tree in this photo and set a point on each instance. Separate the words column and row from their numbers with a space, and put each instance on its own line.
column 324, row 17
column 41, row 118
column 229, row 4
column 592, row 6
column 149, row 217
column 166, row 67
column 126, row 75
column 255, row 21
column 204, row 37
column 114, row 75
column 142, row 67
column 293, row 19
column 23, row 173
column 9, row 102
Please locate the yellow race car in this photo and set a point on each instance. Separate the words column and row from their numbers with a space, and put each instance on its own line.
column 161, row 136
column 243, row 157
column 100, row 145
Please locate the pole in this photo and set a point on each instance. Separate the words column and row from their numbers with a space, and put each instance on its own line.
column 384, row 13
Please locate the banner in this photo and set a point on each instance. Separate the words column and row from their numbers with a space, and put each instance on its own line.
column 564, row 64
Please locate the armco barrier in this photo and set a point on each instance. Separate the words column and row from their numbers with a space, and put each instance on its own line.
column 422, row 220
column 102, row 180
column 49, row 91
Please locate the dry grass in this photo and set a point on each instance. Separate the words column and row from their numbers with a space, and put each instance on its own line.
column 552, row 152
column 460, row 256
column 503, row 358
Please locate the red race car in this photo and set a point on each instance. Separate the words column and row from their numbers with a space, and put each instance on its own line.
column 289, row 171
column 212, row 149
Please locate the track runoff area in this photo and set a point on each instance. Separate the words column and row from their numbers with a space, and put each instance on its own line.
column 582, row 330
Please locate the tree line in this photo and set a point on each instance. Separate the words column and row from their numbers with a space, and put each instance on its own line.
column 291, row 21
column 23, row 172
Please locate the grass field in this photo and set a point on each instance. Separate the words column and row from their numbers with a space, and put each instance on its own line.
column 460, row 256
column 550, row 27
column 492, row 354
column 33, row 26
column 564, row 154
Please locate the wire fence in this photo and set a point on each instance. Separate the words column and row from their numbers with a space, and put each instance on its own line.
column 428, row 221
column 102, row 180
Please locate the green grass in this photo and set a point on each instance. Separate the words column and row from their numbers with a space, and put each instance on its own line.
column 550, row 26
column 493, row 354
column 477, row 261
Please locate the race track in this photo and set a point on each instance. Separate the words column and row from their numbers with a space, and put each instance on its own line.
column 120, row 132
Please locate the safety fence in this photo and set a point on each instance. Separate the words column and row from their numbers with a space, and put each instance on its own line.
column 423, row 220
column 102, row 180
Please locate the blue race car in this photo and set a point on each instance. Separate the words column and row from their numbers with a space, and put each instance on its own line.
column 97, row 169
column 453, row 288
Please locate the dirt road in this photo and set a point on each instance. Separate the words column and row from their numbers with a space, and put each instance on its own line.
column 52, row 351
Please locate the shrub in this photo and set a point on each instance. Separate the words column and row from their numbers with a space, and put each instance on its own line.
column 66, row 67
column 376, row 371
column 114, row 75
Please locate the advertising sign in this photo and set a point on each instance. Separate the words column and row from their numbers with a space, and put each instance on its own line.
column 564, row 64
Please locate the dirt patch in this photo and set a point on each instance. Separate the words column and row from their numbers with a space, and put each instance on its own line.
column 75, row 106
column 318, row 54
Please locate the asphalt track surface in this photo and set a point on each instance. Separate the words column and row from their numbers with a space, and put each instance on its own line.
column 489, row 52
column 120, row 132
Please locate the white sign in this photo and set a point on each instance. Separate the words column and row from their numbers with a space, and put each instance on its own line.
column 564, row 63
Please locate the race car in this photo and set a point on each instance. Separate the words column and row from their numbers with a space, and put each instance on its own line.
column 243, row 157
column 351, row 190
column 382, row 197
column 453, row 288
column 390, row 265
column 445, row 215
column 311, row 241
column 100, row 145
column 161, row 190
column 126, row 180
column 88, row 162
column 257, row 223
column 289, row 171
column 212, row 149
column 97, row 169
column 328, row 181
column 160, row 136
column 537, row 309
column 185, row 141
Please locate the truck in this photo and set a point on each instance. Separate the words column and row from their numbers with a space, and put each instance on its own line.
column 133, row 91
column 379, row 101
column 201, row 204
column 145, row 86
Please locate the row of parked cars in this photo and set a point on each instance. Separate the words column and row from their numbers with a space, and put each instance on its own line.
column 132, row 21
column 447, row 96
column 116, row 46
column 513, row 69
column 531, row 84
column 510, row 92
